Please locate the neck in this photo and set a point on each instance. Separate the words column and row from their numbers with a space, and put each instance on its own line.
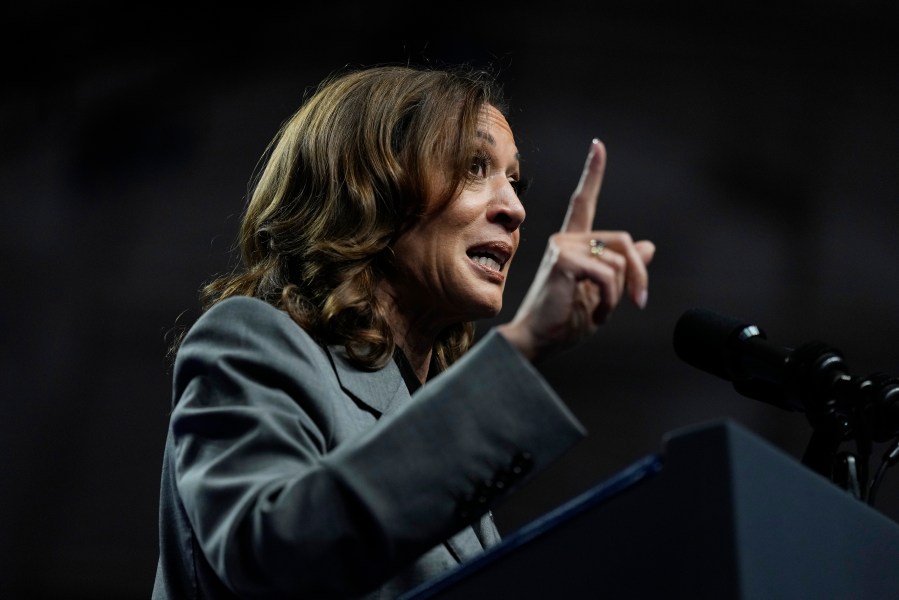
column 418, row 356
column 413, row 332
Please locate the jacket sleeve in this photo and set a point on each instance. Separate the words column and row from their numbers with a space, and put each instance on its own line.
column 277, row 508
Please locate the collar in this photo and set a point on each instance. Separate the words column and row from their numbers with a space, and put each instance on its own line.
column 380, row 390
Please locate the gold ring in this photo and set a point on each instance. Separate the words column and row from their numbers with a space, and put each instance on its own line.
column 597, row 247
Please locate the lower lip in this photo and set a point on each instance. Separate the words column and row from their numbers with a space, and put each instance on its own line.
column 492, row 275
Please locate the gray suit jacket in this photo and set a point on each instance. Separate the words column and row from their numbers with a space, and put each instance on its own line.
column 288, row 472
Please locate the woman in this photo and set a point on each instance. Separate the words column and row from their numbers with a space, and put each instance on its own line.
column 334, row 432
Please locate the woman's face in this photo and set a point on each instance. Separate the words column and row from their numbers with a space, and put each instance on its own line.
column 452, row 264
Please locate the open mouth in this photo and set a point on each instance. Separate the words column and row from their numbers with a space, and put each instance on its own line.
column 492, row 256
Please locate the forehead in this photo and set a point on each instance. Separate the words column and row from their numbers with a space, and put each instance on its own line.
column 495, row 131
column 494, row 123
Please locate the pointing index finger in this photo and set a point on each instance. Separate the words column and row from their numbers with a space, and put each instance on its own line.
column 582, row 207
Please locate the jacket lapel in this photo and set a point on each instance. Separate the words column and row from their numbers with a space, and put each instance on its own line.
column 380, row 391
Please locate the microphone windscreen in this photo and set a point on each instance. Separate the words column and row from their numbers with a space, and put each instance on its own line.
column 704, row 339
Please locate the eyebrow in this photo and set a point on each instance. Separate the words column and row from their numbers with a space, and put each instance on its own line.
column 487, row 136
column 492, row 141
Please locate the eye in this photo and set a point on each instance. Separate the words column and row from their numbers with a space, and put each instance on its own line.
column 519, row 185
column 479, row 165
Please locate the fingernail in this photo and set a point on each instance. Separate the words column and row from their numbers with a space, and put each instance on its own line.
column 643, row 298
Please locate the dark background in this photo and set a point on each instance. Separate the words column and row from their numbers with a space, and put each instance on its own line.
column 756, row 146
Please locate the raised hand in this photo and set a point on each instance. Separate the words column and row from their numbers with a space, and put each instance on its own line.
column 583, row 274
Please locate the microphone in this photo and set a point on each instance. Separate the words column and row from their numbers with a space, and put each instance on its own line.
column 810, row 378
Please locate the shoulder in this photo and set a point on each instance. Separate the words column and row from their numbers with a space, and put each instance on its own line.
column 242, row 309
column 244, row 343
column 246, row 325
column 246, row 316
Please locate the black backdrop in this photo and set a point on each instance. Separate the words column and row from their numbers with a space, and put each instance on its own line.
column 757, row 147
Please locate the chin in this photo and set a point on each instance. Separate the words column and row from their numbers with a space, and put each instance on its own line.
column 485, row 310
column 474, row 304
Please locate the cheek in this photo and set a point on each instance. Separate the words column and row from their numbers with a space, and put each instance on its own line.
column 416, row 253
column 431, row 248
column 516, row 240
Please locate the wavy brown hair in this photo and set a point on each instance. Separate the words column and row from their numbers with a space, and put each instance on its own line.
column 356, row 165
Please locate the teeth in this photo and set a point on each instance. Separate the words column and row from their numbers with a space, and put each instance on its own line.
column 487, row 262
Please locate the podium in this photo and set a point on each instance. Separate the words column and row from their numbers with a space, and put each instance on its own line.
column 718, row 513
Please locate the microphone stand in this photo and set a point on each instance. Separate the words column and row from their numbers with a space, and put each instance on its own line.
column 830, row 428
column 864, row 409
column 814, row 379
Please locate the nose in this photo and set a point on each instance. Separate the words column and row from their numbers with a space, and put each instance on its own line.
column 506, row 208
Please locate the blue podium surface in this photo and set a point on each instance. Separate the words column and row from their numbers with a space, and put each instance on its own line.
column 718, row 513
